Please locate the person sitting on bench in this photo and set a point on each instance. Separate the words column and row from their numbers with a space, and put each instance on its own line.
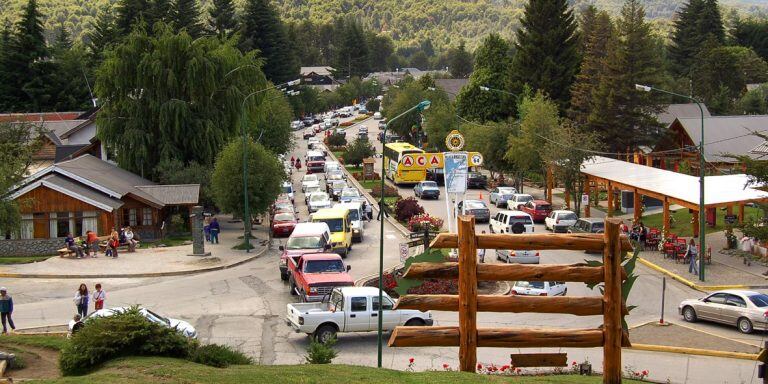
column 73, row 247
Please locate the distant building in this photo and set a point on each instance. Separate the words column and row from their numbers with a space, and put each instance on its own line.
column 673, row 111
column 320, row 78
column 451, row 86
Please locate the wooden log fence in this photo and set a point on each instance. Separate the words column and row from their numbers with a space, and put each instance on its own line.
column 468, row 337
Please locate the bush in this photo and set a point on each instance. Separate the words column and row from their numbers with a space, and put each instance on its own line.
column 436, row 287
column 418, row 222
column 373, row 105
column 388, row 191
column 124, row 334
column 219, row 356
column 336, row 140
column 407, row 208
column 357, row 151
column 321, row 353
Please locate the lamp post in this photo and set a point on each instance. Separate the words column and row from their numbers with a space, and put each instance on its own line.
column 702, row 221
column 422, row 106
column 246, row 210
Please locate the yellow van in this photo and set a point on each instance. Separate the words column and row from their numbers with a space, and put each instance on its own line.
column 340, row 226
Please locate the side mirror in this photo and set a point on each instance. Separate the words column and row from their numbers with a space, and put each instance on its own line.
column 327, row 247
column 349, row 267
column 281, row 248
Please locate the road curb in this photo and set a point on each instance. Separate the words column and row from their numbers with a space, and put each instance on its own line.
column 698, row 287
column 128, row 275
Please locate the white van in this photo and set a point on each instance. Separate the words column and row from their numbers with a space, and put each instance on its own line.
column 332, row 166
column 515, row 222
column 356, row 215
column 305, row 238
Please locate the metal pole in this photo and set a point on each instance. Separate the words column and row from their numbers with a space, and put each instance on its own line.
column 663, row 295
column 246, row 210
column 702, row 212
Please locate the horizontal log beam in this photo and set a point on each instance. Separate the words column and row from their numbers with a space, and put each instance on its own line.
column 579, row 306
column 511, row 272
column 537, row 242
column 498, row 337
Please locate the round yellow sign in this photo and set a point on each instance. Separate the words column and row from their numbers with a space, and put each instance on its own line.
column 454, row 141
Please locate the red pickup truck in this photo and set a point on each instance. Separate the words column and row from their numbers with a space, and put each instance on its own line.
column 314, row 275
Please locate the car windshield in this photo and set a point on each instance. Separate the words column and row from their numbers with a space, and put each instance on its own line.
column 316, row 197
column 524, row 198
column 284, row 207
column 336, row 225
column 312, row 190
column 543, row 207
column 531, row 284
column 759, row 300
column 284, row 217
column 287, row 189
column 310, row 178
column 158, row 317
column 567, row 216
column 507, row 191
column 315, row 158
column 339, row 184
column 520, row 219
column 323, row 266
column 353, row 215
column 474, row 204
column 350, row 192
column 429, row 184
column 598, row 225
column 305, row 242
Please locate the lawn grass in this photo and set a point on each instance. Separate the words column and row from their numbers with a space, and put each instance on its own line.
column 22, row 259
column 338, row 153
column 369, row 184
column 168, row 241
column 352, row 169
column 682, row 220
column 42, row 341
column 168, row 370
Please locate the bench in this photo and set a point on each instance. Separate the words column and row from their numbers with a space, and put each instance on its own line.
column 122, row 247
column 65, row 252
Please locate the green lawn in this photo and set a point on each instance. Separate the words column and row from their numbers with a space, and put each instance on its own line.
column 338, row 153
column 167, row 370
column 41, row 341
column 354, row 169
column 369, row 184
column 682, row 220
column 168, row 241
column 22, row 259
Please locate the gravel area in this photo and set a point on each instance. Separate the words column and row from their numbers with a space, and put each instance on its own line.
column 679, row 336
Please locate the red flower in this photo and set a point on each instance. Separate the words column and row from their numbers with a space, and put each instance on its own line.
column 410, row 360
column 645, row 373
column 504, row 368
column 446, row 366
column 518, row 370
column 479, row 366
column 573, row 363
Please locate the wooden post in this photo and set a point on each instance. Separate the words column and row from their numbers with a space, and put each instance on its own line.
column 587, row 191
column 741, row 213
column 467, row 293
column 637, row 206
column 729, row 209
column 567, row 197
column 610, row 199
column 612, row 331
column 665, row 222
column 695, row 223
column 549, row 184
column 648, row 160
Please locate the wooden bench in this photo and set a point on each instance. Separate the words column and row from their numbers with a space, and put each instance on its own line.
column 65, row 252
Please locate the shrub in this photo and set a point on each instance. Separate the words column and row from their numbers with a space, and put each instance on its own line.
column 373, row 105
column 447, row 287
column 321, row 353
column 407, row 208
column 220, row 356
column 388, row 191
column 336, row 140
column 418, row 222
column 357, row 151
column 124, row 334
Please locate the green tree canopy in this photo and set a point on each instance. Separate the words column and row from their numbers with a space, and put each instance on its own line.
column 742, row 66
column 190, row 115
column 263, row 30
column 222, row 19
column 492, row 61
column 185, row 14
column 697, row 22
column 596, row 40
column 357, row 151
column 18, row 143
column 352, row 52
column 460, row 61
column 538, row 119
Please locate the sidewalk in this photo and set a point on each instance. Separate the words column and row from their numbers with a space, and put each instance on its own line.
column 146, row 262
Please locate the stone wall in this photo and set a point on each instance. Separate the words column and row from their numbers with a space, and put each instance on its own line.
column 30, row 247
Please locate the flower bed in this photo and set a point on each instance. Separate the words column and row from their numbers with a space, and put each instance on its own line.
column 418, row 223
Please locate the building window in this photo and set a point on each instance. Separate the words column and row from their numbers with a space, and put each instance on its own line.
column 146, row 216
column 60, row 224
column 132, row 217
column 90, row 221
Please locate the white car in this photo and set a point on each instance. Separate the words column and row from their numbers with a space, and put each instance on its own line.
column 309, row 181
column 539, row 288
column 350, row 309
column 511, row 222
column 518, row 200
column 500, row 195
column 349, row 195
column 309, row 191
column 377, row 116
column 560, row 221
column 296, row 125
column 319, row 200
column 181, row 326
column 288, row 190
column 312, row 141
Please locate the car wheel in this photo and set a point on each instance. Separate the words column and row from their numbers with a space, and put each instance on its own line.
column 415, row 323
column 565, row 292
column 490, row 228
column 745, row 326
column 325, row 333
column 689, row 314
column 284, row 276
column 292, row 285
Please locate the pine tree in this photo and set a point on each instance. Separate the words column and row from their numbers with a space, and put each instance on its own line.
column 222, row 19
column 621, row 115
column 186, row 15
column 263, row 30
column 130, row 12
column 547, row 56
column 460, row 62
column 6, row 89
column 62, row 40
column 697, row 22
column 587, row 23
column 160, row 11
column 352, row 53
column 27, row 62
column 601, row 31
column 492, row 61
column 103, row 36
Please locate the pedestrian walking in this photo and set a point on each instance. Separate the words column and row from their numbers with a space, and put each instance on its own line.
column 298, row 164
column 369, row 211
column 207, row 228
column 692, row 252
column 215, row 228
column 481, row 253
column 130, row 239
column 98, row 298
column 69, row 241
column 6, row 310
column 81, row 300
column 92, row 243
column 382, row 212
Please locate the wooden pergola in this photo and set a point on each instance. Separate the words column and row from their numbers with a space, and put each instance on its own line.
column 669, row 187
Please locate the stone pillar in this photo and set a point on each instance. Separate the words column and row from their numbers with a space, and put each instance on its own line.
column 198, row 238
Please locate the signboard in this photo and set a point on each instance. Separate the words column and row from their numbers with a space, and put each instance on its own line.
column 403, row 251
column 584, row 200
column 455, row 172
column 454, row 141
column 415, row 161
column 730, row 219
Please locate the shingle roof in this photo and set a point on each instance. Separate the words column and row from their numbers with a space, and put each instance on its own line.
column 673, row 111
column 81, row 190
column 451, row 86
column 180, row 194
column 725, row 135
column 64, row 152
column 322, row 70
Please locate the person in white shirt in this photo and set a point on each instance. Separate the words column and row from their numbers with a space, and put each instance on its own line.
column 129, row 238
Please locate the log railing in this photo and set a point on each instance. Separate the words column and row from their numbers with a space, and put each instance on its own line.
column 468, row 337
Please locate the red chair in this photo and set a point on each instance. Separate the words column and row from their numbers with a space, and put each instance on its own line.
column 680, row 247
column 653, row 238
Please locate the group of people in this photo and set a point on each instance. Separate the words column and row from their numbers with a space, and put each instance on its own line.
column 211, row 228
column 83, row 297
column 88, row 245
column 296, row 162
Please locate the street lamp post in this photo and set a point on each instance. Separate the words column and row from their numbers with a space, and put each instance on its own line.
column 424, row 105
column 702, row 220
column 246, row 210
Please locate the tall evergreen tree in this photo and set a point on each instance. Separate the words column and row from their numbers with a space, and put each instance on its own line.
column 185, row 15
column 460, row 62
column 492, row 61
column 697, row 22
column 587, row 23
column 104, row 35
column 621, row 115
column 222, row 19
column 130, row 12
column 6, row 88
column 592, row 67
column 62, row 40
column 547, row 56
column 263, row 30
column 352, row 53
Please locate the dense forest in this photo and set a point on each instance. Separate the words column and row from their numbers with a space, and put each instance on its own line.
column 408, row 22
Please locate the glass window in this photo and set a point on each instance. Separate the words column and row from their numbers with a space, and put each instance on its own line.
column 90, row 221
column 27, row 226
column 60, row 224
column 336, row 225
column 760, row 300
column 132, row 217
column 305, row 242
column 388, row 305
column 717, row 298
column 735, row 301
column 359, row 304
column 323, row 266
column 146, row 216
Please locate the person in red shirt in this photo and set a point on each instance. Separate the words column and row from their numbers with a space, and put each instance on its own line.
column 92, row 242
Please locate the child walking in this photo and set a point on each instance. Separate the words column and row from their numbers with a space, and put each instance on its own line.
column 98, row 298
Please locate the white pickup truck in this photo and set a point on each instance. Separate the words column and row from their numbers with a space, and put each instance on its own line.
column 350, row 309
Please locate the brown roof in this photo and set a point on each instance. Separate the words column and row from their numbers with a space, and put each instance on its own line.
column 180, row 194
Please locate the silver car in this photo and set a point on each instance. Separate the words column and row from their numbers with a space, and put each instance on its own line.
column 500, row 195
column 747, row 310
column 476, row 208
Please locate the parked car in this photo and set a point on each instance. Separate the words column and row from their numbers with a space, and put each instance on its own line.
column 288, row 190
column 500, row 195
column 331, row 166
column 511, row 222
column 382, row 124
column 335, row 189
column 356, row 221
column 283, row 207
column 476, row 208
column 588, row 225
column 308, row 121
column 349, row 195
column 747, row 310
column 539, row 288
column 427, row 190
column 309, row 191
column 560, row 220
column 308, row 181
column 315, row 162
column 518, row 256
column 296, row 125
column 314, row 275
column 362, row 110
column 305, row 238
column 517, row 200
column 377, row 116
column 351, row 309
column 538, row 209
column 327, row 124
column 362, row 128
column 283, row 224
column 362, row 136
column 476, row 180
column 180, row 326
column 308, row 133
column 318, row 201
column 317, row 128
column 312, row 141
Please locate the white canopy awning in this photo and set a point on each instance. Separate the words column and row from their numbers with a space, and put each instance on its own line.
column 677, row 187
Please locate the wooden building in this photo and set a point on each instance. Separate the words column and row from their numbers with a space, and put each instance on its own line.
column 87, row 193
